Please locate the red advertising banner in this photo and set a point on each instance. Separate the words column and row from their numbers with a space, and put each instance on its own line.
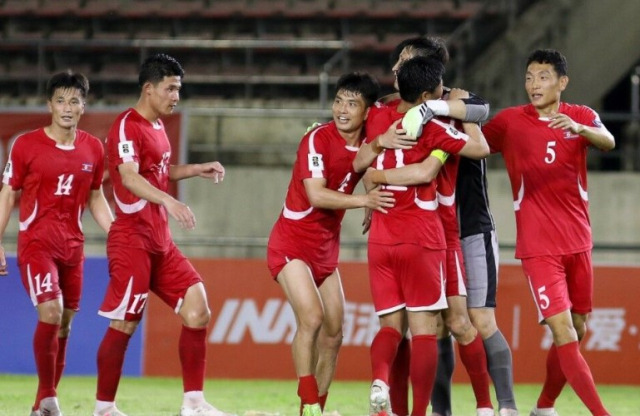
column 14, row 123
column 252, row 325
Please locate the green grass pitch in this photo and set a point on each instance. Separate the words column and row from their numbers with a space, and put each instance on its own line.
column 150, row 396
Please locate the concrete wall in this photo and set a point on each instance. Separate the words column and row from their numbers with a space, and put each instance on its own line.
column 250, row 199
column 234, row 218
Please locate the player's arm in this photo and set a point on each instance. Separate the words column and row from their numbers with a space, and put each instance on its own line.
column 99, row 209
column 599, row 137
column 476, row 146
column 209, row 170
column 7, row 200
column 413, row 174
column 140, row 187
column 394, row 138
column 322, row 197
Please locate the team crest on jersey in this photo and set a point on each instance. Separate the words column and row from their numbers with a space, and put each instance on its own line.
column 8, row 170
column 125, row 148
column 315, row 162
column 87, row 167
column 570, row 136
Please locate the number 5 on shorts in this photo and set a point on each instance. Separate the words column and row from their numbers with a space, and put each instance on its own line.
column 543, row 299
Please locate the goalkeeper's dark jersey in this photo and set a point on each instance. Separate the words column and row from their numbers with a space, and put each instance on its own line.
column 472, row 198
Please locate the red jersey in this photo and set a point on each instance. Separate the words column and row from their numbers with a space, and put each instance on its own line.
column 548, row 173
column 414, row 218
column 322, row 153
column 447, row 207
column 139, row 223
column 56, row 182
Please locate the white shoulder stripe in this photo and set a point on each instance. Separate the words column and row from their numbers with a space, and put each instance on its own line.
column 122, row 137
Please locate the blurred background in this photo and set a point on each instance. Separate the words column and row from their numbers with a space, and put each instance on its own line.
column 258, row 73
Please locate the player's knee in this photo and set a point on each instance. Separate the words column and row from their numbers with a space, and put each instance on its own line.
column 331, row 340
column 197, row 318
column 311, row 320
column 486, row 327
column 459, row 325
column 580, row 325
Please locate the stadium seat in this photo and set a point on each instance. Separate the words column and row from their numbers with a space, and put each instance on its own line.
column 19, row 7
column 141, row 8
column 361, row 41
column 59, row 8
column 265, row 8
column 99, row 8
column 182, row 8
column 350, row 8
column 221, row 9
column 307, row 9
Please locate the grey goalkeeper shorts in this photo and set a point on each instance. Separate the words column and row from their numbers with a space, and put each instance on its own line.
column 480, row 253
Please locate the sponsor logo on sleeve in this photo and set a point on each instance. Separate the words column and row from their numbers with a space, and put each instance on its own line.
column 125, row 149
column 8, row 170
column 315, row 162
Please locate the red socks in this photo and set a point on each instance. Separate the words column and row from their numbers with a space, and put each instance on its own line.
column 474, row 358
column 110, row 361
column 424, row 361
column 383, row 352
column 399, row 379
column 308, row 390
column 61, row 360
column 579, row 376
column 554, row 380
column 192, row 349
column 45, row 351
column 323, row 400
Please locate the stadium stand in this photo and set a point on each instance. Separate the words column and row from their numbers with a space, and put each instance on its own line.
column 266, row 39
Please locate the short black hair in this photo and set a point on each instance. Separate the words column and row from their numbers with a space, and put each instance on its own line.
column 417, row 75
column 158, row 66
column 67, row 79
column 549, row 56
column 361, row 83
column 429, row 46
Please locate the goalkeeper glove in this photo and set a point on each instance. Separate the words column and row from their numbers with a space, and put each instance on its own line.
column 415, row 118
column 313, row 126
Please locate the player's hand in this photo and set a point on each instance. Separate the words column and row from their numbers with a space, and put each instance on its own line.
column 396, row 137
column 212, row 170
column 366, row 222
column 3, row 263
column 563, row 121
column 181, row 213
column 457, row 94
column 379, row 200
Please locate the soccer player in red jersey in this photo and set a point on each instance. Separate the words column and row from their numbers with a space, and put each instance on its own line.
column 407, row 245
column 544, row 145
column 141, row 252
column 475, row 304
column 59, row 171
column 302, row 253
